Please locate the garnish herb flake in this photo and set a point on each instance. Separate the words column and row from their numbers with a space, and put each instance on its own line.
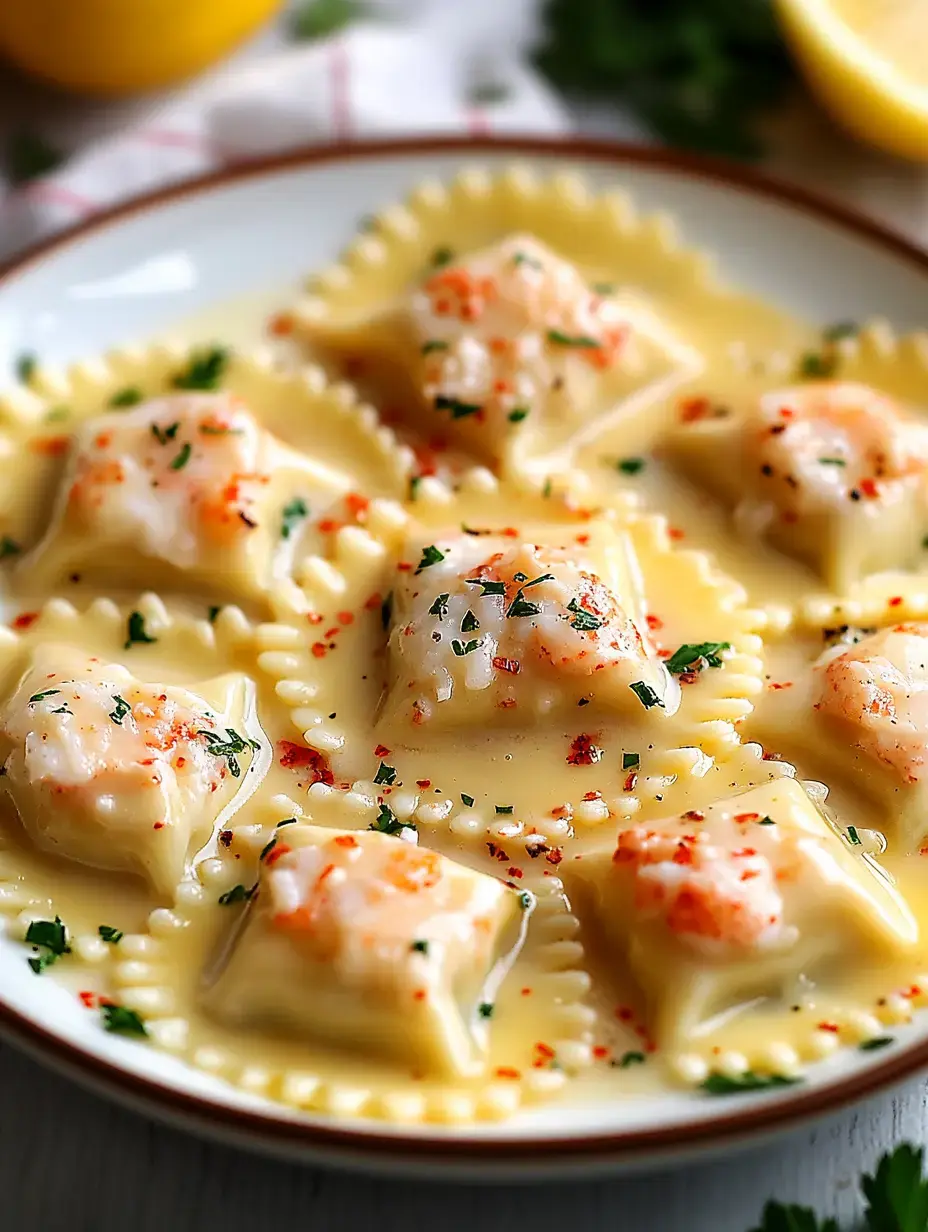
column 229, row 748
column 504, row 809
column 433, row 344
column 183, row 457
column 646, row 695
column 841, row 329
column 582, row 620
column 238, row 894
column 485, row 1009
column 204, row 371
column 51, row 938
column 464, row 648
column 8, row 547
column 135, row 631
column 559, row 338
column 420, row 947
column 112, row 936
column 458, row 409
column 631, row 1058
column 122, row 398
column 442, row 256
column 631, row 761
column 385, row 774
column 725, row 1084
column 120, row 1020
column 516, row 416
column 467, row 801
column 121, row 710
column 489, row 588
column 853, row 837
column 630, row 466
column 693, row 656
column 876, row 1042
column 431, row 555
column 470, row 622
column 163, row 435
column 293, row 513
column 387, row 822
column 39, row 697
column 440, row 606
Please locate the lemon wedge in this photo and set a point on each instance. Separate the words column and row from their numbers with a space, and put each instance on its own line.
column 867, row 61
column 113, row 47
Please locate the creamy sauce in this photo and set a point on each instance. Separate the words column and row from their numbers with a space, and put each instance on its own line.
column 523, row 796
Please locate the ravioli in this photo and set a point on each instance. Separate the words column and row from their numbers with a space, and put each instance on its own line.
column 184, row 486
column 367, row 942
column 121, row 775
column 491, row 627
column 511, row 353
column 831, row 472
column 741, row 900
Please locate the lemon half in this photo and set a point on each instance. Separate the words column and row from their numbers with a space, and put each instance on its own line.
column 867, row 61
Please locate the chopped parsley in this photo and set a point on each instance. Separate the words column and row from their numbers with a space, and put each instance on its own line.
column 287, row 821
column 238, row 894
column 8, row 547
column 631, row 1058
column 631, row 761
column 431, row 555
column 489, row 588
column 40, row 697
column 386, row 611
column 111, row 935
column 121, row 1020
column 572, row 340
column 485, row 1009
column 163, row 435
column 387, row 822
column 522, row 258
column 526, row 900
column 204, row 371
column 582, row 620
column 520, row 606
column 815, row 365
column 129, row 396
column 646, row 695
column 433, row 344
column 516, row 416
column 64, row 709
column 292, row 514
column 50, row 937
column 122, row 709
column 213, row 611
column 229, row 748
column 467, row 801
column 135, row 630
column 458, row 409
column 725, row 1084
column 876, row 1042
column 853, row 837
column 604, row 288
column 766, row 821
column 26, row 365
column 440, row 606
column 414, row 482
column 268, row 848
column 840, row 329
column 183, row 457
column 504, row 809
column 420, row 947
column 442, row 256
column 693, row 656
column 832, row 462
column 630, row 466
column 56, row 414
column 470, row 622
column 385, row 774
column 464, row 648
column 547, row 489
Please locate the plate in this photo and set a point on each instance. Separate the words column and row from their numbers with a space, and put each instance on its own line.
column 212, row 257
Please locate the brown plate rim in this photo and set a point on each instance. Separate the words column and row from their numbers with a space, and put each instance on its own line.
column 620, row 1147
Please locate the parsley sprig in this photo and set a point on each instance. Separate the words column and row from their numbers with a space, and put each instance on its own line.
column 229, row 748
column 50, row 939
column 204, row 371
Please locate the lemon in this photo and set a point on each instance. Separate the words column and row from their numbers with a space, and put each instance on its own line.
column 867, row 61
column 112, row 47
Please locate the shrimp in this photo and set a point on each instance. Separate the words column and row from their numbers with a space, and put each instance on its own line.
column 717, row 897
column 497, row 328
column 877, row 691
column 180, row 474
column 821, row 445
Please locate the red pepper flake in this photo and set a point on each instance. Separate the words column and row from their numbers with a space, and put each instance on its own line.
column 780, row 684
column 357, row 505
column 514, row 872
column 381, row 751
column 331, row 633
column 688, row 677
column 25, row 619
column 526, row 992
column 345, row 618
column 279, row 849
column 423, row 782
column 345, row 840
column 544, row 1050
column 319, row 650
column 419, row 994
column 404, row 566
column 496, row 852
column 583, row 752
column 828, row 1026
column 869, row 489
column 698, row 815
column 88, row 999
column 328, row 525
column 600, row 1053
column 554, row 856
column 281, row 325
column 298, row 755
column 744, row 818
column 51, row 446
column 315, row 618
column 912, row 991
column 513, row 666
column 373, row 604
column 674, row 532
column 506, row 1071
column 159, row 825
column 225, row 838
column 583, row 540
column 592, row 795
column 654, row 622
column 624, row 1014
column 510, row 532
column 692, row 409
column 895, row 601
column 631, row 781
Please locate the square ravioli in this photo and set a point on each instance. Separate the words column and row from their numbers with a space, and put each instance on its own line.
column 117, row 774
column 831, row 472
column 743, row 899
column 372, row 944
column 188, row 484
column 492, row 628
column 512, row 353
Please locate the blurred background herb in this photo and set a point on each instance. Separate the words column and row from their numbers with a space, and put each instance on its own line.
column 698, row 74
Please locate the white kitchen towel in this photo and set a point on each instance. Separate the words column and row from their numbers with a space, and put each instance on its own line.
column 374, row 79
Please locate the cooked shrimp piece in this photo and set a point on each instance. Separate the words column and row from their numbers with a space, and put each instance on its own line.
column 498, row 327
column 718, row 898
column 511, row 624
column 825, row 444
column 877, row 691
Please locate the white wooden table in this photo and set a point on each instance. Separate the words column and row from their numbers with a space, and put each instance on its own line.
column 70, row 1162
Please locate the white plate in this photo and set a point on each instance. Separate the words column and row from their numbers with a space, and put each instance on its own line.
column 212, row 258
